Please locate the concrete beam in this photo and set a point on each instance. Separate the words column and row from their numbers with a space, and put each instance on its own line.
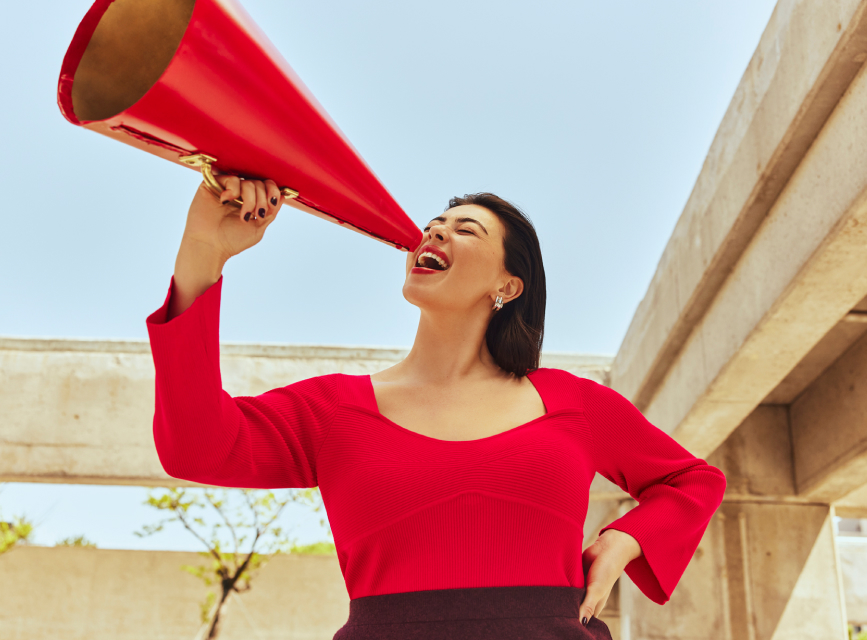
column 81, row 411
column 811, row 452
column 829, row 429
column 853, row 505
column 833, row 345
column 757, row 459
column 800, row 275
column 806, row 59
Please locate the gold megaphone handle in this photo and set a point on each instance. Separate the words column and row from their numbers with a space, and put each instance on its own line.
column 205, row 162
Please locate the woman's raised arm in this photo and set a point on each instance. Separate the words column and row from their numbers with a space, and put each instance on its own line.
column 201, row 432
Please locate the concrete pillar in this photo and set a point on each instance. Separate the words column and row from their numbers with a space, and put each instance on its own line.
column 763, row 571
column 767, row 567
column 783, row 574
column 697, row 608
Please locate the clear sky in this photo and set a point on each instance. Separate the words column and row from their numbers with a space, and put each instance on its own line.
column 594, row 117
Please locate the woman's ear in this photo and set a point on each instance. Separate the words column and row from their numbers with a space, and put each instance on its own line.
column 511, row 289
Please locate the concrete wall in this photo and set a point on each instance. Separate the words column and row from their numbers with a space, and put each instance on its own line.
column 94, row 594
column 82, row 410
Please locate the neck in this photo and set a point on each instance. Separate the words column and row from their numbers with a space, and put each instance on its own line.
column 450, row 347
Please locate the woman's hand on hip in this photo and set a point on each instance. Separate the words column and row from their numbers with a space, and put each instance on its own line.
column 604, row 562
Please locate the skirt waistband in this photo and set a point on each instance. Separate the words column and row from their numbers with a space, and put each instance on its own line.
column 478, row 603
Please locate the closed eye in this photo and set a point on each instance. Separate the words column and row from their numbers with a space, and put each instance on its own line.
column 426, row 229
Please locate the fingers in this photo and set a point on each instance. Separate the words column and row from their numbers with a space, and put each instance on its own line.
column 266, row 203
column 261, row 200
column 248, row 195
column 594, row 602
column 273, row 195
column 231, row 188
column 275, row 198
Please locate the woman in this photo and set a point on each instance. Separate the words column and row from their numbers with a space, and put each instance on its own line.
column 456, row 482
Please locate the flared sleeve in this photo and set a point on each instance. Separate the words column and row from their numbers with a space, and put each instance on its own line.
column 677, row 493
column 205, row 435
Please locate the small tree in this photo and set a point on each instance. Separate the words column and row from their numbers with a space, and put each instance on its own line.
column 75, row 541
column 14, row 532
column 242, row 535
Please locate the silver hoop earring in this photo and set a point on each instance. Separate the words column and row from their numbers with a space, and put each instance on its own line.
column 498, row 303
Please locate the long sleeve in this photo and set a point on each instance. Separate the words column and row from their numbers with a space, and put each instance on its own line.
column 205, row 435
column 677, row 493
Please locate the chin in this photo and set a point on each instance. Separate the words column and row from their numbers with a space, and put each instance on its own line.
column 421, row 296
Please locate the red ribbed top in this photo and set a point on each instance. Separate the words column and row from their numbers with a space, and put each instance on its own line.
column 410, row 512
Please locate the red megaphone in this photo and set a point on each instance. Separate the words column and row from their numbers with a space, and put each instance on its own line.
column 198, row 83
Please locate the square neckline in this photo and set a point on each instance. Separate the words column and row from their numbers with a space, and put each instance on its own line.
column 374, row 409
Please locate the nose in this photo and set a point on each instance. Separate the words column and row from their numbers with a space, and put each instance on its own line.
column 437, row 231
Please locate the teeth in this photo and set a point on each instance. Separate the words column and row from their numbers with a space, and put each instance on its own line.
column 428, row 254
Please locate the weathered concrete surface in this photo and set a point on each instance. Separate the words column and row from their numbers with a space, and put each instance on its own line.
column 829, row 429
column 853, row 565
column 761, row 572
column 82, row 410
column 697, row 608
column 812, row 451
column 757, row 458
column 853, row 505
column 834, row 344
column 768, row 553
column 804, row 62
column 799, row 276
column 759, row 298
column 784, row 580
column 93, row 594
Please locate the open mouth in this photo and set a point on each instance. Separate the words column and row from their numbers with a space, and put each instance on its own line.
column 431, row 258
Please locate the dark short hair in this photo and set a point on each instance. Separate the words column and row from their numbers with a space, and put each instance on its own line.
column 514, row 335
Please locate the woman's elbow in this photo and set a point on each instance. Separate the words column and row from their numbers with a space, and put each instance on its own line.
column 180, row 467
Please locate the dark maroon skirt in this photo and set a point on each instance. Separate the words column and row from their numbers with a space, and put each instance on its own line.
column 482, row 613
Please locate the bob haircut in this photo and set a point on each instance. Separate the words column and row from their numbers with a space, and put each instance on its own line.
column 514, row 335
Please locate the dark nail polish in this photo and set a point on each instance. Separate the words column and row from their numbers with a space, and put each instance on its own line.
column 247, row 216
column 584, row 621
column 274, row 201
column 261, row 213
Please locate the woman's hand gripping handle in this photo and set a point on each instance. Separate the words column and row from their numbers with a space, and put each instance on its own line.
column 216, row 231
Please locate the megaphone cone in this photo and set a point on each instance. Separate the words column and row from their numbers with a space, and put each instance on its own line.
column 198, row 83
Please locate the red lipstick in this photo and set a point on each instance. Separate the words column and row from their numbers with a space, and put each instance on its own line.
column 431, row 250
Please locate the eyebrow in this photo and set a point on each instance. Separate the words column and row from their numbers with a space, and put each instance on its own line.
column 460, row 220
